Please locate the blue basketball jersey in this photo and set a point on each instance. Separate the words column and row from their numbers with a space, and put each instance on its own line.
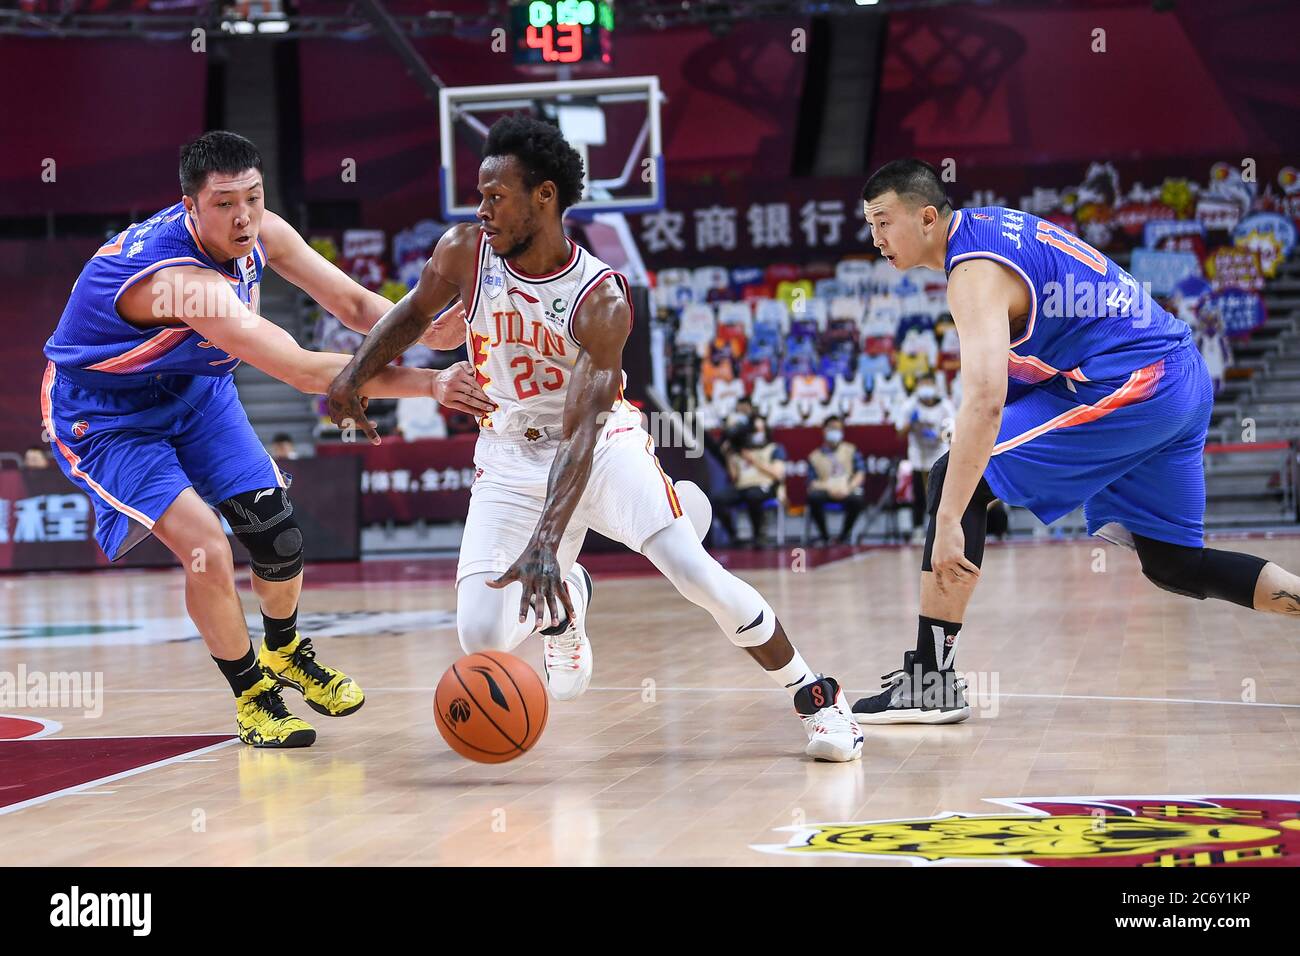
column 1089, row 320
column 92, row 336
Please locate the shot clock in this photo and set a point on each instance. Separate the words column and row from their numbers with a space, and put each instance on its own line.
column 561, row 32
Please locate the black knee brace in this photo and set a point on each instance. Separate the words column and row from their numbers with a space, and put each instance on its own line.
column 264, row 524
column 1200, row 572
column 974, row 520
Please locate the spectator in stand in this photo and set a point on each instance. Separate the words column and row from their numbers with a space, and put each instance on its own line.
column 37, row 456
column 926, row 419
column 756, row 466
column 837, row 472
column 282, row 447
column 742, row 414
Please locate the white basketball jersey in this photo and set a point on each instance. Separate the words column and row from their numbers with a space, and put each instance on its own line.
column 521, row 340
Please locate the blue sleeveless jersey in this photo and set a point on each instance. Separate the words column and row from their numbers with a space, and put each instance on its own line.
column 92, row 336
column 1089, row 320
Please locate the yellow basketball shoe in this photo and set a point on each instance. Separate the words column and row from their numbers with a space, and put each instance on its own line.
column 264, row 721
column 326, row 690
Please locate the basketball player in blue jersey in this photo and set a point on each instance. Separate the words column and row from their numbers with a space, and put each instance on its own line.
column 1077, row 389
column 141, row 411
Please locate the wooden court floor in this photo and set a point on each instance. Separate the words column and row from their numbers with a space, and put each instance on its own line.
column 1089, row 684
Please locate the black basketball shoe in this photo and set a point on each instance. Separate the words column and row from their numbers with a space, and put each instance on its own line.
column 913, row 697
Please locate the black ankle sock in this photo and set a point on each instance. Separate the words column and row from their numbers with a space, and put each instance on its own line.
column 243, row 673
column 279, row 632
column 927, row 655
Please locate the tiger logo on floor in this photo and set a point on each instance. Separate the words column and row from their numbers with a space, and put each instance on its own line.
column 1153, row 831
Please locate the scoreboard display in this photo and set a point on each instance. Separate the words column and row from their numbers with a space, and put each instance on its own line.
column 560, row 32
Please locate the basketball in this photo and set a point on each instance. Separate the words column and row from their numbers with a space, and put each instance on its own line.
column 491, row 707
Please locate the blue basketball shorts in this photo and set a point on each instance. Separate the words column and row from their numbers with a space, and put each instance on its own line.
column 133, row 443
column 1130, row 451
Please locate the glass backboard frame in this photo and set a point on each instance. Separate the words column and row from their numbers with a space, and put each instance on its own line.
column 460, row 103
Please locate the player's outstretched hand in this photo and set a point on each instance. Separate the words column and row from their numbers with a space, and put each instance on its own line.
column 538, row 569
column 458, row 388
column 948, row 559
column 347, row 409
column 448, row 330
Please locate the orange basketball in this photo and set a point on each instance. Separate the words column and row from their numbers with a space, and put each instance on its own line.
column 491, row 707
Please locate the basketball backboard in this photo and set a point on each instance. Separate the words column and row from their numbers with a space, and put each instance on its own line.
column 613, row 123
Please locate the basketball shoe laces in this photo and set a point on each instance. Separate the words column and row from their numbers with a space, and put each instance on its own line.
column 562, row 649
column 270, row 701
column 304, row 658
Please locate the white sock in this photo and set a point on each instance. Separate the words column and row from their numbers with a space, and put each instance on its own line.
column 794, row 675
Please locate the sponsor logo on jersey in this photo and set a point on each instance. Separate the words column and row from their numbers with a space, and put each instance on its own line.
column 248, row 267
column 1150, row 831
column 980, row 215
column 515, row 290
column 80, row 427
column 555, row 312
column 494, row 280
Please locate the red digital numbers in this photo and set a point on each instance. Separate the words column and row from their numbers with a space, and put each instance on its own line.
column 568, row 43
column 559, row 44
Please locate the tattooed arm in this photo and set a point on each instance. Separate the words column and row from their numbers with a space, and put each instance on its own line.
column 602, row 327
column 449, row 270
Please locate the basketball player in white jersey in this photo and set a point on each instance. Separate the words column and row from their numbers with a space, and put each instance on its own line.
column 562, row 451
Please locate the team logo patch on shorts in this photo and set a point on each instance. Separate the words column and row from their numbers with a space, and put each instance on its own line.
column 80, row 427
column 1160, row 831
column 532, row 434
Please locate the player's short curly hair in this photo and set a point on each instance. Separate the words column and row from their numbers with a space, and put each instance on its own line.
column 542, row 151
column 217, row 151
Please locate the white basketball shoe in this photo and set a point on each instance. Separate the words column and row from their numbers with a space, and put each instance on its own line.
column 566, row 652
column 833, row 734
